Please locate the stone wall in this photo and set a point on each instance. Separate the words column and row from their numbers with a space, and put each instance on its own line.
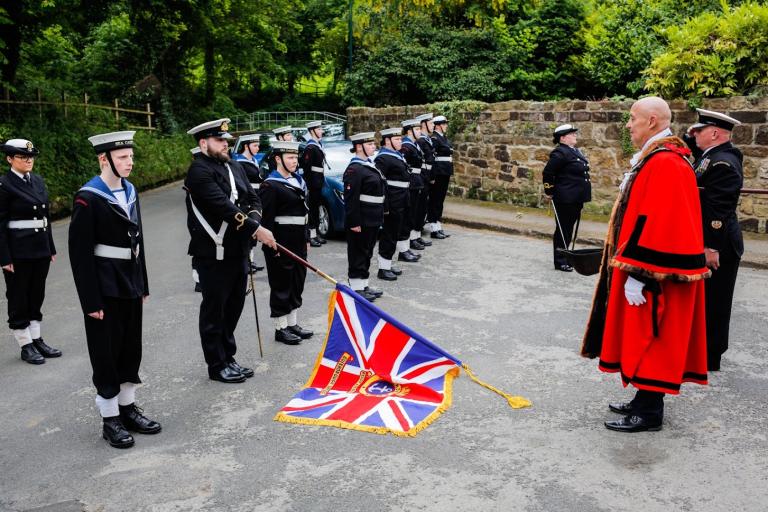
column 501, row 148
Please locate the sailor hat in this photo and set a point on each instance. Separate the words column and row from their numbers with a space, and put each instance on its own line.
column 218, row 128
column 391, row 132
column 282, row 147
column 19, row 147
column 113, row 140
column 712, row 118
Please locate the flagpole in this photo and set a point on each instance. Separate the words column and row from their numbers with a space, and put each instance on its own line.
column 307, row 264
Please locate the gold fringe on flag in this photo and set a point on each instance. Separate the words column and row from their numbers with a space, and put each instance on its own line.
column 515, row 402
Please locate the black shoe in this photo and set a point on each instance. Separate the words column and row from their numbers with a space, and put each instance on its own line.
column 247, row 372
column 299, row 331
column 416, row 246
column 425, row 243
column 198, row 288
column 374, row 291
column 134, row 420
column 565, row 268
column 256, row 268
column 287, row 337
column 417, row 256
column 621, row 408
column 407, row 256
column 370, row 297
column 314, row 242
column 632, row 424
column 445, row 235
column 321, row 240
column 115, row 433
column 386, row 275
column 438, row 234
column 396, row 270
column 30, row 354
column 226, row 375
column 44, row 349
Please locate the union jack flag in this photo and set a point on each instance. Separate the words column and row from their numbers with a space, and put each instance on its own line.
column 373, row 374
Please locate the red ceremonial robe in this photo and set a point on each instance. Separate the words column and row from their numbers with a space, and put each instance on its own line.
column 655, row 235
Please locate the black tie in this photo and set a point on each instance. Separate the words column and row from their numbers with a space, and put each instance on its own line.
column 27, row 180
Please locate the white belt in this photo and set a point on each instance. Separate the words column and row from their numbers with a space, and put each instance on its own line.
column 296, row 220
column 427, row 166
column 415, row 170
column 400, row 184
column 28, row 224
column 218, row 238
column 316, row 169
column 110, row 251
column 365, row 198
column 443, row 159
column 255, row 186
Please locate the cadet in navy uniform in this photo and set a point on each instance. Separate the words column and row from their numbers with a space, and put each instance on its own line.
column 107, row 254
column 442, row 169
column 720, row 176
column 313, row 167
column 248, row 158
column 26, row 248
column 566, row 181
column 395, row 169
column 284, row 133
column 424, row 141
column 283, row 199
column 364, row 212
column 223, row 216
column 415, row 160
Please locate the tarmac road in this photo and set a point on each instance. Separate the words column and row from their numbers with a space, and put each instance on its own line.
column 490, row 299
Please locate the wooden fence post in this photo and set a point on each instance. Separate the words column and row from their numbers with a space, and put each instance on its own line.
column 39, row 105
column 149, row 116
column 117, row 112
column 64, row 100
column 85, row 101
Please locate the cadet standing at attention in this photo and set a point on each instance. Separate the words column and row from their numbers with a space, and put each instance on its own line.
column 107, row 254
column 26, row 248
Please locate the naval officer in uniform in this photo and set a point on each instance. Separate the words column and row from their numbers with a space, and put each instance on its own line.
column 107, row 255
column 26, row 248
column 223, row 217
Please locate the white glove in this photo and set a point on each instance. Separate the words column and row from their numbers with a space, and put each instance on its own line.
column 633, row 291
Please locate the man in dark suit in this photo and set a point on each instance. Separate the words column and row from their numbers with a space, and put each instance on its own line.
column 26, row 248
column 720, row 176
column 223, row 216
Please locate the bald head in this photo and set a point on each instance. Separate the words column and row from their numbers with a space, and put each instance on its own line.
column 647, row 117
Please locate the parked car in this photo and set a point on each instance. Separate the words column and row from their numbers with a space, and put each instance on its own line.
column 337, row 156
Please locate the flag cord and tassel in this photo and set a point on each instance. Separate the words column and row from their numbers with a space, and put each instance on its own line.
column 516, row 402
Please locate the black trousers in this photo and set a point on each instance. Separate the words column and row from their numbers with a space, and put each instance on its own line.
column 437, row 192
column 286, row 282
column 359, row 251
column 649, row 405
column 390, row 233
column 719, row 302
column 568, row 213
column 224, row 284
column 114, row 345
column 25, row 291
column 417, row 210
column 314, row 197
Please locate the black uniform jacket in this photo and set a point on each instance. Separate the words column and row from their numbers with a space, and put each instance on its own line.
column 312, row 162
column 97, row 218
column 279, row 198
column 415, row 159
column 395, row 169
column 443, row 149
column 19, row 201
column 566, row 176
column 720, row 176
column 251, row 169
column 207, row 184
column 362, row 178
column 428, row 150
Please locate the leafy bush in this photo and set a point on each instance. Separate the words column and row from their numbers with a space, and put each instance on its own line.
column 714, row 55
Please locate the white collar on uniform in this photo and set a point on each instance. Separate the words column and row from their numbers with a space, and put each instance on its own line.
column 17, row 173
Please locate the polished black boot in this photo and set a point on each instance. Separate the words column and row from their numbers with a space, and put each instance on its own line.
column 314, row 242
column 396, row 270
column 115, row 433
column 247, row 372
column 287, row 337
column 373, row 291
column 300, row 331
column 415, row 245
column 30, row 354
column 425, row 243
column 386, row 275
column 408, row 257
column 226, row 375
column 370, row 297
column 44, row 349
column 621, row 408
column 134, row 420
column 632, row 424
column 439, row 235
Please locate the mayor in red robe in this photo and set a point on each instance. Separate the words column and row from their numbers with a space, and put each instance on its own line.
column 648, row 316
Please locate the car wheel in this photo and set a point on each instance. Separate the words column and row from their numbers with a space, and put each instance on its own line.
column 325, row 224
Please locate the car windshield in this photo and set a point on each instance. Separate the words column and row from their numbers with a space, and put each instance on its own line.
column 338, row 156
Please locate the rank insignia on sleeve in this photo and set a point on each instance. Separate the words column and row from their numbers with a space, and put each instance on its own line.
column 716, row 224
